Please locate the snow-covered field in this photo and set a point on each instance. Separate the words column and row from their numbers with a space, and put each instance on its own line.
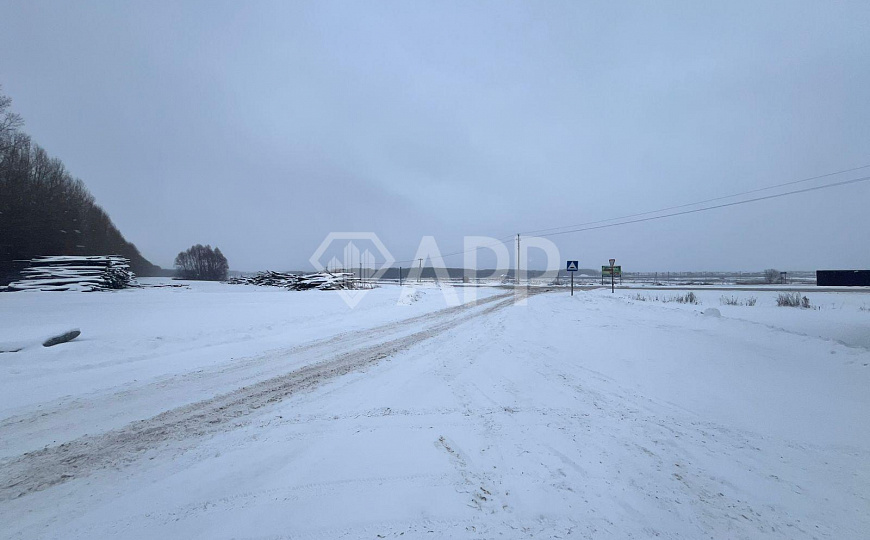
column 221, row 411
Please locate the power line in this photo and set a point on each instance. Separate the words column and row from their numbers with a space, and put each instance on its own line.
column 501, row 241
column 735, row 203
column 585, row 226
column 791, row 183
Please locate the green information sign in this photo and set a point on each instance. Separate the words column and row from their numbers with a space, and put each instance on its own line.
column 617, row 271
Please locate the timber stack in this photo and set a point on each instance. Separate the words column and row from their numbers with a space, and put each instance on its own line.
column 74, row 273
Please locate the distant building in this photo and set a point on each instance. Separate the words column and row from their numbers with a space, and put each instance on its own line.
column 843, row 278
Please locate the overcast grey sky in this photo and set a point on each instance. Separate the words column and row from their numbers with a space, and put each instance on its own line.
column 262, row 126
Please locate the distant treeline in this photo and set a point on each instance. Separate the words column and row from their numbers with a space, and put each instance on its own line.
column 45, row 211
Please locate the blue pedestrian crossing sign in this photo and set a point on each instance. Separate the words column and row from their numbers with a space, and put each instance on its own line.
column 572, row 266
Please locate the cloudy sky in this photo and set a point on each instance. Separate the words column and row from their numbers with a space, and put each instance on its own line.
column 262, row 126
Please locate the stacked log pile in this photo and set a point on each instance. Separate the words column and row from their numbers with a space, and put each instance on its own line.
column 326, row 281
column 323, row 281
column 71, row 273
column 266, row 279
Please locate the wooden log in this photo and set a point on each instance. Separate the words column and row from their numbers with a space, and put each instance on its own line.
column 62, row 338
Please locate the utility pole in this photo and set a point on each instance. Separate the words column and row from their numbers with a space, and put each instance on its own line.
column 518, row 259
column 400, row 276
column 420, row 277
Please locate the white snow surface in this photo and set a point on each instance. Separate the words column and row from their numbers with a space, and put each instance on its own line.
column 231, row 411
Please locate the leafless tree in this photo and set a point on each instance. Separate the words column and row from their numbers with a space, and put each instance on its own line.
column 771, row 275
column 9, row 121
column 202, row 262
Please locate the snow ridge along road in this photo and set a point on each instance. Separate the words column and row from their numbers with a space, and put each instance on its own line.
column 326, row 359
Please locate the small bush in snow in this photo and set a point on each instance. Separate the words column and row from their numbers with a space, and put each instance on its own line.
column 688, row 298
column 734, row 301
column 788, row 300
column 792, row 300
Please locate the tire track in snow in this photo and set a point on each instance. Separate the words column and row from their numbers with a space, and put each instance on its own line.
column 39, row 470
column 474, row 483
column 111, row 409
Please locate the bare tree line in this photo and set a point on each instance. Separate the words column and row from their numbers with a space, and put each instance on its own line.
column 44, row 210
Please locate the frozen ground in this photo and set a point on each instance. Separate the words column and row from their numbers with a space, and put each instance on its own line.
column 240, row 412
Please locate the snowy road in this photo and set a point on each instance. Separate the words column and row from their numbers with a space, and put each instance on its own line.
column 322, row 360
column 592, row 417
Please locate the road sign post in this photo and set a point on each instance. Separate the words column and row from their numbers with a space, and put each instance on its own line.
column 612, row 285
column 572, row 267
